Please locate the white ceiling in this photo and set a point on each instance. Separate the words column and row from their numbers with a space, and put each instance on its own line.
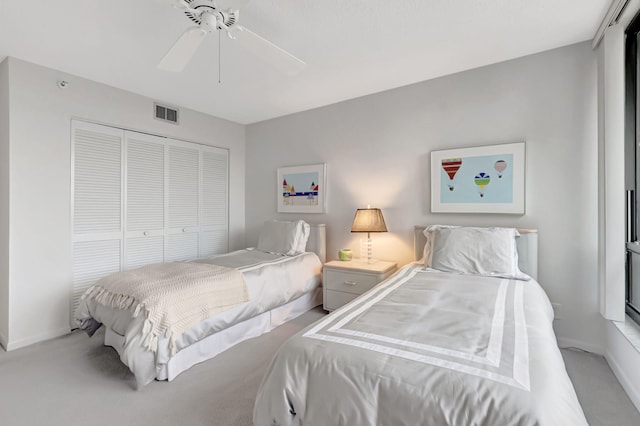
column 352, row 47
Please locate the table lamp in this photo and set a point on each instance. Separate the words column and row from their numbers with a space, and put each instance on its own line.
column 368, row 220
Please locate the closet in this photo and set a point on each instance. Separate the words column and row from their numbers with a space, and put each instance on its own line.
column 138, row 199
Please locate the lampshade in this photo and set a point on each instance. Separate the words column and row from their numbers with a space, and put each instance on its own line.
column 368, row 220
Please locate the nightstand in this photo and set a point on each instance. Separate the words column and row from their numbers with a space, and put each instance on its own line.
column 344, row 281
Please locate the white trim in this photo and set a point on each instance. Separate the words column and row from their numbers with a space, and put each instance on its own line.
column 494, row 349
column 630, row 330
column 611, row 178
column 3, row 341
column 632, row 391
column 521, row 344
column 623, row 358
column 424, row 359
column 612, row 16
column 21, row 343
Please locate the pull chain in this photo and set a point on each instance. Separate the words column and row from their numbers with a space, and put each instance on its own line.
column 219, row 54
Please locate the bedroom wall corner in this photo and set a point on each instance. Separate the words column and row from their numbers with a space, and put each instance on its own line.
column 40, row 177
column 4, row 202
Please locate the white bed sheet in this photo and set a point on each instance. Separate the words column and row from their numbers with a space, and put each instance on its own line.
column 272, row 281
column 425, row 347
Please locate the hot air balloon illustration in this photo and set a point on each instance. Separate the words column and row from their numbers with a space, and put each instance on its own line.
column 286, row 192
column 500, row 165
column 311, row 196
column 482, row 180
column 451, row 167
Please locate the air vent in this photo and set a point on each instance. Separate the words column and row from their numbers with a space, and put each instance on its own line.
column 166, row 113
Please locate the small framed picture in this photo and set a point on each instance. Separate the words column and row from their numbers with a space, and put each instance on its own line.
column 302, row 189
column 486, row 179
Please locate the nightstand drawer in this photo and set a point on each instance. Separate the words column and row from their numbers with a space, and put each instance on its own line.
column 335, row 299
column 343, row 281
column 350, row 282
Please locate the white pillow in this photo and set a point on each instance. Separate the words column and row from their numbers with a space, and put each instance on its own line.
column 304, row 236
column 478, row 251
column 284, row 237
column 429, row 233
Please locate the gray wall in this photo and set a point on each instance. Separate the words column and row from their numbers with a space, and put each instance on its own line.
column 4, row 203
column 377, row 152
column 40, row 173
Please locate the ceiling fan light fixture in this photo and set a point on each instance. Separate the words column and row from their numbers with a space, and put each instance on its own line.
column 208, row 22
column 209, row 17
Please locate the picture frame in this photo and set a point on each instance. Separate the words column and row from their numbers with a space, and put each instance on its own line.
column 302, row 189
column 484, row 179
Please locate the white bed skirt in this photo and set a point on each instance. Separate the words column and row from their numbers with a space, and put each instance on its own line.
column 221, row 341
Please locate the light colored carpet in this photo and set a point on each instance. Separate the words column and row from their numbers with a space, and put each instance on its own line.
column 603, row 400
column 74, row 380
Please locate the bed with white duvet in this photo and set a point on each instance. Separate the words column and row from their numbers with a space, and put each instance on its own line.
column 461, row 337
column 227, row 299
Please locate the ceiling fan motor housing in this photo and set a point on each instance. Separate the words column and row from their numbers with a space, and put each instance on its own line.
column 209, row 14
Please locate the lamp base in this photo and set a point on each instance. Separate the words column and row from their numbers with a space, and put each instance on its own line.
column 366, row 250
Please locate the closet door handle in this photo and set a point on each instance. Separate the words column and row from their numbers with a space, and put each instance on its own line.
column 351, row 283
column 145, row 233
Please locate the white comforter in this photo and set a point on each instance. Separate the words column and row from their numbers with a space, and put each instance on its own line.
column 425, row 348
column 271, row 281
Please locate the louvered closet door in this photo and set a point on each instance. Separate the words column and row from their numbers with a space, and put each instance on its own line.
column 139, row 199
column 145, row 188
column 214, row 236
column 183, row 201
column 96, row 205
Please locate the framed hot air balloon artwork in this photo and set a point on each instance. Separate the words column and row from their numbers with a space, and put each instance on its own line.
column 302, row 189
column 486, row 179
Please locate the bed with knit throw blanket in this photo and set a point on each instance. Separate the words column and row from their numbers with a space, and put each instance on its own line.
column 172, row 297
column 164, row 318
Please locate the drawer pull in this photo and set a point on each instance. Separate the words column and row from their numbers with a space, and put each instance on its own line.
column 352, row 283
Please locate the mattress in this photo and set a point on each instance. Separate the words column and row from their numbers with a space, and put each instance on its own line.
column 271, row 280
column 425, row 347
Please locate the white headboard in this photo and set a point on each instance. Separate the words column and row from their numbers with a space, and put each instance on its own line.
column 527, row 245
column 317, row 241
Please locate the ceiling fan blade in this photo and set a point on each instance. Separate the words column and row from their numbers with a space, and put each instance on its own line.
column 267, row 51
column 184, row 48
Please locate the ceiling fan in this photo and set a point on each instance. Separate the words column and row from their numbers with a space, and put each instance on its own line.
column 209, row 17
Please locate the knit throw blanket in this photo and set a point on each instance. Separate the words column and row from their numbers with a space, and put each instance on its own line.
column 173, row 296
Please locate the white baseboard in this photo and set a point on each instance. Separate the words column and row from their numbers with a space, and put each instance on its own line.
column 21, row 343
column 628, row 385
column 3, row 341
column 589, row 347
column 623, row 356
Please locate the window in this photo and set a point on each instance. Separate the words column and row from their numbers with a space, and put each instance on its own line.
column 632, row 168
